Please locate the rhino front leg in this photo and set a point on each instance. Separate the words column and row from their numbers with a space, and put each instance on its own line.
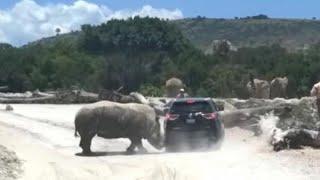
column 132, row 146
column 136, row 142
column 140, row 146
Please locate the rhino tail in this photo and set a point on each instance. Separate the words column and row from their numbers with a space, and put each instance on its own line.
column 76, row 133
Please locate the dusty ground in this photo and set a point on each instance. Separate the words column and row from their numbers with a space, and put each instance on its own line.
column 42, row 136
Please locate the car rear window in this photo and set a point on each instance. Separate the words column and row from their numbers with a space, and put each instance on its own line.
column 184, row 107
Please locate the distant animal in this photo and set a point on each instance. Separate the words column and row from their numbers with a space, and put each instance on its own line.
column 9, row 107
column 115, row 120
column 259, row 89
column 315, row 91
column 278, row 87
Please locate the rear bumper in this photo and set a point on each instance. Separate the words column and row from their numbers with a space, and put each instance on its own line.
column 212, row 130
column 204, row 133
column 194, row 138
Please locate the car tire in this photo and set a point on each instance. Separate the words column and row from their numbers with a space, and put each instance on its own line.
column 218, row 129
column 171, row 148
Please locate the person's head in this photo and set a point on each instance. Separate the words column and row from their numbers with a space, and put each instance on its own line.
column 181, row 90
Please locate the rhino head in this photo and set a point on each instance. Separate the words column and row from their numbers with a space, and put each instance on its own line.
column 157, row 136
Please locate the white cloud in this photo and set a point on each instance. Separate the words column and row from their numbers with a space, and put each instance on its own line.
column 147, row 10
column 28, row 21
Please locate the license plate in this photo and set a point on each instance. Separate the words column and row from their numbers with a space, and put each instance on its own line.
column 190, row 121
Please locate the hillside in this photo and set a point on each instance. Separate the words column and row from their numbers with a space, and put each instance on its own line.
column 140, row 54
column 292, row 34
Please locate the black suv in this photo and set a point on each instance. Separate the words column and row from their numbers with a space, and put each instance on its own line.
column 193, row 123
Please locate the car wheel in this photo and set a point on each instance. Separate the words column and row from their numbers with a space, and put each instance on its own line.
column 171, row 148
column 218, row 129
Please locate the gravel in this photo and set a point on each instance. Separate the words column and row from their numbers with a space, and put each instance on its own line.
column 10, row 165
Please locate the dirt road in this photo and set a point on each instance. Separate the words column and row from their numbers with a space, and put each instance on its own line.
column 42, row 136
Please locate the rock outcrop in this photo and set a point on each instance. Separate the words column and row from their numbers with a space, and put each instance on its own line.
column 303, row 113
column 294, row 122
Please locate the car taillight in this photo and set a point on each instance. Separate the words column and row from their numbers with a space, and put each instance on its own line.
column 190, row 101
column 171, row 117
column 211, row 116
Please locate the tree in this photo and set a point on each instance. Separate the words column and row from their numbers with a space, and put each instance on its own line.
column 173, row 85
column 58, row 30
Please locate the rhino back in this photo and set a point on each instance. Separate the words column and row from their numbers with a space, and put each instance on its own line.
column 124, row 120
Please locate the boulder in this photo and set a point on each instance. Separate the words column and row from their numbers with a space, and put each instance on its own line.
column 295, row 139
column 9, row 107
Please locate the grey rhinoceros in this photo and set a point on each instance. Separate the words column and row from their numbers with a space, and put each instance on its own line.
column 115, row 120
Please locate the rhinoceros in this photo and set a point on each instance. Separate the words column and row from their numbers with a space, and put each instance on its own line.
column 115, row 120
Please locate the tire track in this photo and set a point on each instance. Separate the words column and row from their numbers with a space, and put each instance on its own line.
column 45, row 121
column 56, row 135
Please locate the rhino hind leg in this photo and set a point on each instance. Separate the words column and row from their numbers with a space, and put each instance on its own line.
column 85, row 143
column 132, row 146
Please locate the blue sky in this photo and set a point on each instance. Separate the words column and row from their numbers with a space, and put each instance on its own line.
column 209, row 8
column 23, row 21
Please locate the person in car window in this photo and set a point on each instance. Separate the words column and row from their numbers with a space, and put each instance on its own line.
column 181, row 94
